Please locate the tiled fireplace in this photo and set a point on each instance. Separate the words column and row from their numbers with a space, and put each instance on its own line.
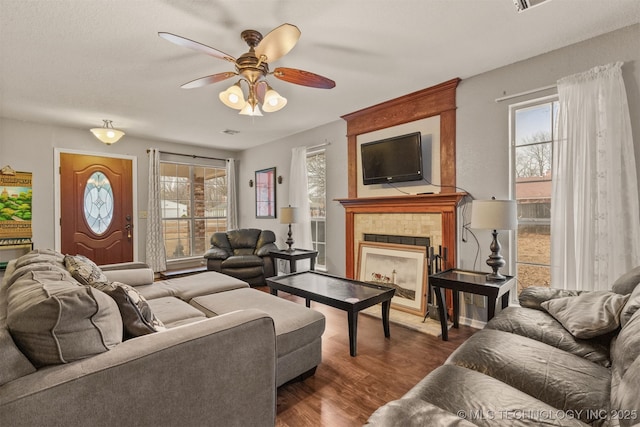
column 432, row 216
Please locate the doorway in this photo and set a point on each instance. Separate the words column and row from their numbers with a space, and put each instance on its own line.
column 96, row 207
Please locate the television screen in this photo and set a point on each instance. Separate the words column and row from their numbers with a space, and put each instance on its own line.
column 394, row 159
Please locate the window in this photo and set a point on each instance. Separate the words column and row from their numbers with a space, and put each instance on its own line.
column 316, row 170
column 534, row 127
column 194, row 205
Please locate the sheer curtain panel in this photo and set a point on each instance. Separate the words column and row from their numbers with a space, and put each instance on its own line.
column 232, row 198
column 595, row 219
column 299, row 198
column 155, row 250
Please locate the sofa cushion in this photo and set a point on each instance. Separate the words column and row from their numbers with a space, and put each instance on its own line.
column 541, row 326
column 40, row 255
column 137, row 316
column 85, row 271
column 626, row 283
column 131, row 273
column 54, row 319
column 174, row 312
column 484, row 400
column 537, row 369
column 14, row 364
column 630, row 308
column 589, row 314
column 296, row 325
column 625, row 397
column 205, row 283
column 412, row 412
column 243, row 239
column 626, row 346
column 240, row 261
column 191, row 286
column 533, row 296
column 245, row 273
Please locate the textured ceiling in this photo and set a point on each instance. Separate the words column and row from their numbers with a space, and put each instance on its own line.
column 76, row 62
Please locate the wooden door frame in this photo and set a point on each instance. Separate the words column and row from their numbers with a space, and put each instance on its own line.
column 56, row 182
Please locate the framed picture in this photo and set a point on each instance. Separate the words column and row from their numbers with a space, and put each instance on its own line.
column 402, row 267
column 266, row 193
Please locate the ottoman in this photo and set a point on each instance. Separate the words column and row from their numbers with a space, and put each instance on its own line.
column 298, row 328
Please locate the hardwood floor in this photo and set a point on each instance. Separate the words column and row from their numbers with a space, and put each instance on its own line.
column 345, row 390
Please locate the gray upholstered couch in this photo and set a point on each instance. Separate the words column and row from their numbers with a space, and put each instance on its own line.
column 561, row 358
column 243, row 253
column 198, row 350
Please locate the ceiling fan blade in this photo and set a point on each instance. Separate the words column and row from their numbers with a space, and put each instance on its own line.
column 184, row 42
column 278, row 42
column 203, row 81
column 304, row 78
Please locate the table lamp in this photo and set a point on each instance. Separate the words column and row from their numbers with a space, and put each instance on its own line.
column 494, row 215
column 289, row 216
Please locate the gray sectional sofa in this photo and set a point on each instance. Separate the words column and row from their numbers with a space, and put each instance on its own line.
column 564, row 358
column 204, row 349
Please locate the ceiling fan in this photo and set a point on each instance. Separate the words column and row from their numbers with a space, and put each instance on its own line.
column 253, row 68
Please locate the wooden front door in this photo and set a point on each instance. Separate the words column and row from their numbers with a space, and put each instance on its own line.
column 96, row 207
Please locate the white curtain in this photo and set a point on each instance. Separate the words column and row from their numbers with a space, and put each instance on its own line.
column 232, row 197
column 156, row 255
column 595, row 219
column 299, row 198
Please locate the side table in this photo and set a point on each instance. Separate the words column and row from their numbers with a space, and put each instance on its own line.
column 293, row 256
column 473, row 282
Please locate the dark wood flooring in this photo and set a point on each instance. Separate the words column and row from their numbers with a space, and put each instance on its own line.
column 345, row 390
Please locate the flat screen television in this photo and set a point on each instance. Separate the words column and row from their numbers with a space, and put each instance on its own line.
column 395, row 159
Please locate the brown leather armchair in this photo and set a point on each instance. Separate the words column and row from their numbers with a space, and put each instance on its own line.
column 243, row 254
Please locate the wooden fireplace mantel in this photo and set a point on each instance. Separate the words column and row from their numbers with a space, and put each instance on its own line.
column 438, row 100
column 444, row 204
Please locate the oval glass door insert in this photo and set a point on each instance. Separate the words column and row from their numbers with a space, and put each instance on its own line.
column 98, row 202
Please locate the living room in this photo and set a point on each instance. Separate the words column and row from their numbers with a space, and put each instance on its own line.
column 481, row 134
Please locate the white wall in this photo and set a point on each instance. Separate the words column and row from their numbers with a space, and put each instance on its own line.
column 278, row 154
column 30, row 147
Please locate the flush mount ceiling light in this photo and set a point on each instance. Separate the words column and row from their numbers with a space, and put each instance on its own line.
column 253, row 68
column 107, row 133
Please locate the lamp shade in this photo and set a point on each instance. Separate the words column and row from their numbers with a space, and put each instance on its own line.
column 494, row 214
column 288, row 215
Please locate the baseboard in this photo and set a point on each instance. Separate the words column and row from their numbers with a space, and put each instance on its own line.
column 474, row 323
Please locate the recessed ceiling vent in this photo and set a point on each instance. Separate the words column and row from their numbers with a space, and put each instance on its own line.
column 230, row 131
column 523, row 5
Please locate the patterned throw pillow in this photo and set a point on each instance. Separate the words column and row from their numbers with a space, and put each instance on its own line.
column 137, row 317
column 85, row 271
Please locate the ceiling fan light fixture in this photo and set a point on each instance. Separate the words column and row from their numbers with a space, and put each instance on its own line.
column 249, row 110
column 253, row 68
column 107, row 134
column 273, row 101
column 233, row 97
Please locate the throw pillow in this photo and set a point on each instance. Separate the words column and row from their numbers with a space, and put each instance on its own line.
column 137, row 317
column 626, row 283
column 630, row 307
column 589, row 314
column 54, row 319
column 85, row 271
column 534, row 296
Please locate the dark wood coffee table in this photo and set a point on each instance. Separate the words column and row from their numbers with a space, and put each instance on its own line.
column 349, row 295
